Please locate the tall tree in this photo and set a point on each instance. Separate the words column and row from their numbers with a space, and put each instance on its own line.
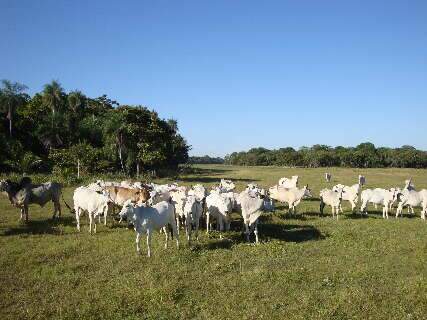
column 76, row 101
column 12, row 96
column 52, row 97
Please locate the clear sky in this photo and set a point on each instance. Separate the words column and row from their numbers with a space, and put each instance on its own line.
column 236, row 74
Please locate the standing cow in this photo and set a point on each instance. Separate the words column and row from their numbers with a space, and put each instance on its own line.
column 23, row 194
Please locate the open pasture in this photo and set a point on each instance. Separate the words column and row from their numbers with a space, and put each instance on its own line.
column 306, row 267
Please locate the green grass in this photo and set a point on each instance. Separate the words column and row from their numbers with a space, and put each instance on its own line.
column 305, row 267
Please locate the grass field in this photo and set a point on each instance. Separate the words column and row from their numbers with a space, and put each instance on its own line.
column 306, row 267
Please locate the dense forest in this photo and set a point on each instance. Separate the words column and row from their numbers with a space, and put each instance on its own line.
column 69, row 133
column 365, row 155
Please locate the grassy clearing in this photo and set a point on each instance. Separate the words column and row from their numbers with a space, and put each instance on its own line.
column 305, row 268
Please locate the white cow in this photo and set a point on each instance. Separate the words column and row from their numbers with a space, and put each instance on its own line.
column 220, row 207
column 193, row 210
column 199, row 191
column 251, row 208
column 331, row 198
column 351, row 194
column 413, row 199
column 292, row 196
column 378, row 196
column 94, row 203
column 179, row 197
column 226, row 185
column 289, row 183
column 148, row 219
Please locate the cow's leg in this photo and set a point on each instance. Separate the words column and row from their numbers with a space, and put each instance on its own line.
column 197, row 229
column 90, row 222
column 256, row 232
column 138, row 238
column 59, row 209
column 207, row 222
column 166, row 238
column 77, row 210
column 176, row 234
column 149, row 243
column 188, row 229
column 247, row 231
column 353, row 205
column 22, row 214
column 412, row 210
column 26, row 213
column 178, row 223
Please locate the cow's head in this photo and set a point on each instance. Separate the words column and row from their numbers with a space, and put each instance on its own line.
column 307, row 192
column 11, row 188
column 4, row 185
column 127, row 211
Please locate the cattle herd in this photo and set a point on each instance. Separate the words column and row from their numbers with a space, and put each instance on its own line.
column 153, row 207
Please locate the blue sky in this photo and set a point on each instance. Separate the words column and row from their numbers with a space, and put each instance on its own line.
column 236, row 74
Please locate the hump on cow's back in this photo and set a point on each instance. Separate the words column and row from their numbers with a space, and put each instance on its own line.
column 25, row 182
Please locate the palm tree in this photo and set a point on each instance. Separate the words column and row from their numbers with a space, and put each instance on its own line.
column 76, row 101
column 12, row 96
column 52, row 96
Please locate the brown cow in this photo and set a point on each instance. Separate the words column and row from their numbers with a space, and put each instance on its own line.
column 119, row 195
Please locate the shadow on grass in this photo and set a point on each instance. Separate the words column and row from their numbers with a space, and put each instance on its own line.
column 290, row 233
column 267, row 230
column 40, row 226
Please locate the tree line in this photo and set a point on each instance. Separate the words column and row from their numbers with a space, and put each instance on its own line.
column 205, row 160
column 69, row 133
column 365, row 155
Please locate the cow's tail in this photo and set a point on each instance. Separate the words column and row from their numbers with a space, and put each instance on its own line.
column 67, row 205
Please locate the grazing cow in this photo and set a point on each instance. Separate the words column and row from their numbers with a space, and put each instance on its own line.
column 23, row 194
column 331, row 198
column 93, row 202
column 378, row 196
column 292, row 196
column 328, row 177
column 148, row 219
column 413, row 199
column 193, row 210
column 219, row 206
column 351, row 194
column 289, row 183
